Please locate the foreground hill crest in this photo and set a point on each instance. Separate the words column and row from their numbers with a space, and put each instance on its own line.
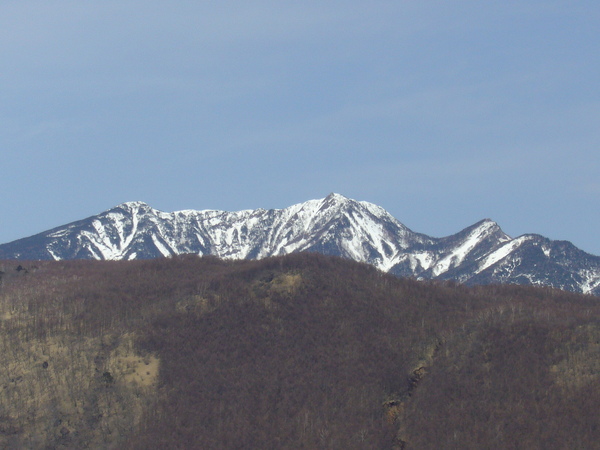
column 334, row 225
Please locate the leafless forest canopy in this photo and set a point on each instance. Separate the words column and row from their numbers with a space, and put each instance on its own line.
column 303, row 351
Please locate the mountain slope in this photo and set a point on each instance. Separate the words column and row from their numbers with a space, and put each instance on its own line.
column 335, row 225
column 302, row 351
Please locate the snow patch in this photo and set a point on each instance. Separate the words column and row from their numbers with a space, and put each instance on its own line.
column 159, row 245
column 458, row 254
column 500, row 253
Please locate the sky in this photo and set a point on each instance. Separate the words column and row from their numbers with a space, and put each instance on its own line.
column 442, row 112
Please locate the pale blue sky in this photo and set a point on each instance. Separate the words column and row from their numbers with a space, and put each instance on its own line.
column 442, row 112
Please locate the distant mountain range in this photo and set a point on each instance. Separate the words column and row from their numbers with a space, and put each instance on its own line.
column 335, row 225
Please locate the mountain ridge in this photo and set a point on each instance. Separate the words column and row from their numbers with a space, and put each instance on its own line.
column 335, row 225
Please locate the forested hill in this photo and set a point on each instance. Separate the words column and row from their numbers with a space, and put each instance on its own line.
column 300, row 351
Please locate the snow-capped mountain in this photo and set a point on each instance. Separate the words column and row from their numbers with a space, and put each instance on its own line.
column 335, row 225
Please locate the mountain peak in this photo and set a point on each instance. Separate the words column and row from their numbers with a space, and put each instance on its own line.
column 334, row 225
column 133, row 205
column 333, row 203
column 336, row 197
column 490, row 222
column 485, row 225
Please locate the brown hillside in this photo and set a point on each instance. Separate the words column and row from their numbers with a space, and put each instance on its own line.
column 302, row 351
